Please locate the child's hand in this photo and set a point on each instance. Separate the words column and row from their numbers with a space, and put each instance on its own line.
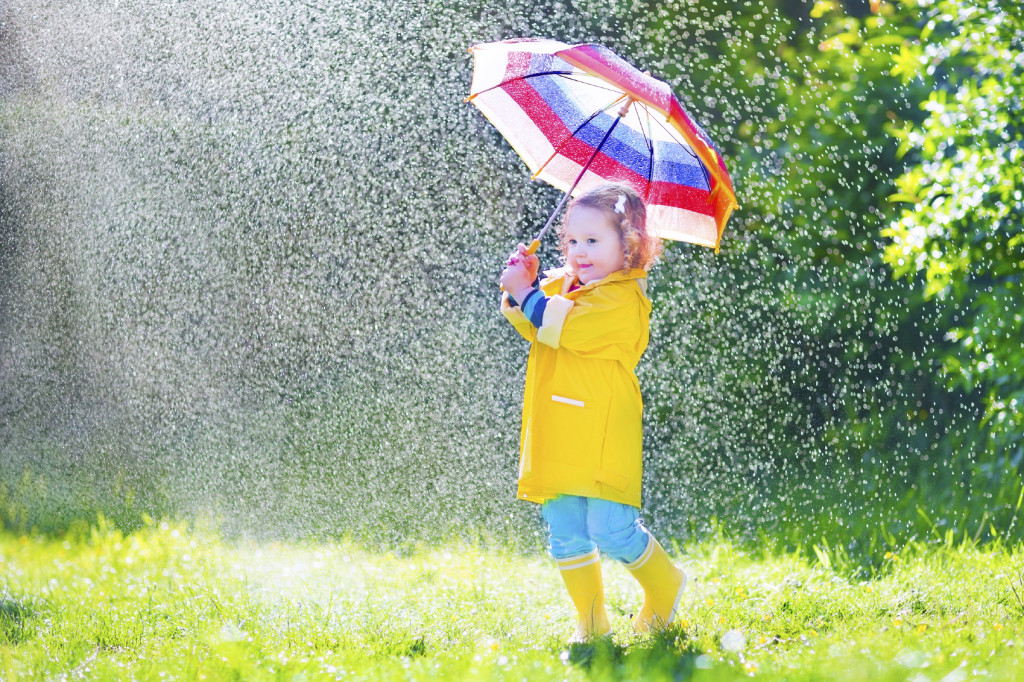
column 529, row 260
column 517, row 280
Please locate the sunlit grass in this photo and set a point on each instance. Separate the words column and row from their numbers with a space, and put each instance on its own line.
column 168, row 602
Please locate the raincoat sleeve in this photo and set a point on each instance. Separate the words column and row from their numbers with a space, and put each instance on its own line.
column 514, row 315
column 609, row 322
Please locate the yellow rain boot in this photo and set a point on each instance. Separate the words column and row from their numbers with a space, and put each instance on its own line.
column 582, row 577
column 663, row 585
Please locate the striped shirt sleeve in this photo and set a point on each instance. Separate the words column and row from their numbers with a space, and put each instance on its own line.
column 533, row 307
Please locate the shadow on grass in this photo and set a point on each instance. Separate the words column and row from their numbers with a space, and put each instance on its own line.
column 664, row 656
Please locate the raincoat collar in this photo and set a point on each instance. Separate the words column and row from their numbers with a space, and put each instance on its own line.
column 570, row 279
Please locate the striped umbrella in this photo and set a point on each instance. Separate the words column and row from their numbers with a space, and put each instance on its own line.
column 579, row 115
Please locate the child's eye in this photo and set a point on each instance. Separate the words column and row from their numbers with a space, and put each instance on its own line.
column 591, row 241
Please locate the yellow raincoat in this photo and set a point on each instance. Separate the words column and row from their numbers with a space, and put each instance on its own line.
column 582, row 430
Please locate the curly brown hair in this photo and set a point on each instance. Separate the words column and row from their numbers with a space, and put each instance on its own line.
column 641, row 249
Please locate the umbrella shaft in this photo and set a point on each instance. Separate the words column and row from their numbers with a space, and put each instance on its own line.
column 558, row 209
column 551, row 220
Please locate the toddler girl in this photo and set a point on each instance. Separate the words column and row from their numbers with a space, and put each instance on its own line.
column 581, row 437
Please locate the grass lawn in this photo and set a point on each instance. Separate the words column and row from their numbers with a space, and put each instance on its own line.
column 167, row 602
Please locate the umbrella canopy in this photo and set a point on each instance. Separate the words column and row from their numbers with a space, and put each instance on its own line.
column 579, row 115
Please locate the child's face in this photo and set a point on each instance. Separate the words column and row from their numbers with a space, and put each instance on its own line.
column 593, row 248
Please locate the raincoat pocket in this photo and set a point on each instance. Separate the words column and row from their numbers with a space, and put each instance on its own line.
column 575, row 430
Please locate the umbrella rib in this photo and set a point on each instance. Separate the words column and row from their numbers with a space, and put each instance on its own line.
column 573, row 134
column 596, row 84
column 683, row 143
column 567, row 75
column 650, row 149
column 686, row 147
column 520, row 78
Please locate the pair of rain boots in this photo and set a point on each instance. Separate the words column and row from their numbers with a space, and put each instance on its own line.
column 662, row 581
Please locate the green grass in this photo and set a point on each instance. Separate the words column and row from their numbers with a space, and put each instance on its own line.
column 167, row 602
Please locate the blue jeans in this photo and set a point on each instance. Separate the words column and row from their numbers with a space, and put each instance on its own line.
column 577, row 524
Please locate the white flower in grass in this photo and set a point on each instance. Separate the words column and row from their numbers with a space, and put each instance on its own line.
column 734, row 641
